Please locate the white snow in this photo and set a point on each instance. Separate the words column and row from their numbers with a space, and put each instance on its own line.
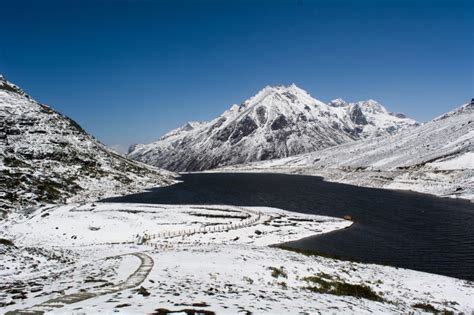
column 45, row 157
column 436, row 158
column 278, row 121
column 216, row 257
column 222, row 271
column 460, row 162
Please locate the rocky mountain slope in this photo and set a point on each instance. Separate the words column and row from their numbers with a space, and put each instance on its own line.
column 46, row 157
column 277, row 122
column 437, row 157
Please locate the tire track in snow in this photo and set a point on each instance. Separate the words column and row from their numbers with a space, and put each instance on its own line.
column 134, row 280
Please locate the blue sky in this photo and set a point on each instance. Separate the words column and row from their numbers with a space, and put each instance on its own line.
column 128, row 71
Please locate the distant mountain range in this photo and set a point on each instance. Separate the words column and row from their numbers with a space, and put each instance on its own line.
column 46, row 157
column 279, row 121
column 436, row 157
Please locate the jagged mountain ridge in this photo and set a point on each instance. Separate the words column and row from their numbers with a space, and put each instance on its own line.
column 436, row 157
column 46, row 157
column 279, row 121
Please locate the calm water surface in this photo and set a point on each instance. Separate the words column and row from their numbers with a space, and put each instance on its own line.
column 403, row 229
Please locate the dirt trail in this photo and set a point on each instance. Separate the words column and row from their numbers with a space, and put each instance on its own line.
column 143, row 270
column 134, row 280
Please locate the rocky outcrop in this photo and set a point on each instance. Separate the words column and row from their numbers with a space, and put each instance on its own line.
column 277, row 122
column 46, row 157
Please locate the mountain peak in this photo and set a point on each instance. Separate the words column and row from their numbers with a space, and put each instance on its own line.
column 371, row 102
column 281, row 88
column 190, row 125
column 372, row 106
column 338, row 102
column 273, row 94
column 278, row 121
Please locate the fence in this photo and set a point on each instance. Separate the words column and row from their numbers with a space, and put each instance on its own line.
column 254, row 218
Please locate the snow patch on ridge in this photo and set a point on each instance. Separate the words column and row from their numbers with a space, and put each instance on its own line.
column 278, row 121
column 46, row 157
column 433, row 158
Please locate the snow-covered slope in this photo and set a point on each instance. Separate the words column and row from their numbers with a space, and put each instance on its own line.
column 70, row 260
column 277, row 122
column 437, row 157
column 46, row 157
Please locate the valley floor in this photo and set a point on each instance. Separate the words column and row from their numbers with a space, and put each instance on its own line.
column 85, row 258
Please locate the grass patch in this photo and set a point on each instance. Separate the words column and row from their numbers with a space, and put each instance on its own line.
column 123, row 179
column 248, row 280
column 6, row 242
column 321, row 285
column 49, row 191
column 278, row 272
column 431, row 309
column 14, row 162
column 324, row 275
column 425, row 307
column 283, row 285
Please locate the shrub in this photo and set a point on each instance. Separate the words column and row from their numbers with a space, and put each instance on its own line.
column 278, row 272
column 321, row 285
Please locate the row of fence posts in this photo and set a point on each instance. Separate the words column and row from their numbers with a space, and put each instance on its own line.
column 212, row 229
column 106, row 243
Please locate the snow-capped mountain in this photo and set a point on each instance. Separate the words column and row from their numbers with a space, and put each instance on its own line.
column 371, row 119
column 437, row 158
column 47, row 157
column 279, row 121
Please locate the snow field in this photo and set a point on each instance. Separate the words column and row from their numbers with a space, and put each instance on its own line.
column 226, row 271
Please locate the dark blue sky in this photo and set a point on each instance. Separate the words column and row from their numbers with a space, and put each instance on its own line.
column 128, row 71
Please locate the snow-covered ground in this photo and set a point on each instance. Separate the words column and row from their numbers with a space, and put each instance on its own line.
column 435, row 158
column 46, row 157
column 214, row 258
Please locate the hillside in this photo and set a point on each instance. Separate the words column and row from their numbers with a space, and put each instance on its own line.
column 436, row 157
column 48, row 158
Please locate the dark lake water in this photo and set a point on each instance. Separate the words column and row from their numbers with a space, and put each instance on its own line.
column 398, row 228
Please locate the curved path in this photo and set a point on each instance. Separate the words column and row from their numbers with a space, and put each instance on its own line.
column 146, row 265
column 399, row 228
column 134, row 280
